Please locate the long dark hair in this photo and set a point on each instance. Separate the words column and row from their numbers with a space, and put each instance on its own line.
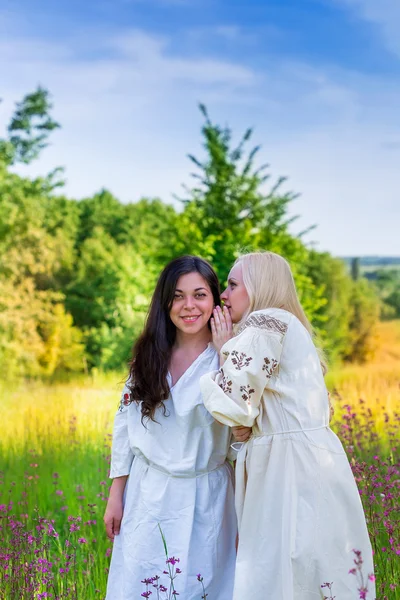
column 152, row 351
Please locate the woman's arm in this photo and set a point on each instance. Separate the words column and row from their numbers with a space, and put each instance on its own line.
column 233, row 394
column 115, row 509
column 222, row 332
column 121, row 462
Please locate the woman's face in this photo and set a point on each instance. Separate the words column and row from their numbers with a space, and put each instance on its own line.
column 193, row 303
column 235, row 297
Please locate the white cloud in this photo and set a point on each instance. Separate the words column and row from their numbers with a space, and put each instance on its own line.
column 129, row 117
column 150, row 55
column 383, row 13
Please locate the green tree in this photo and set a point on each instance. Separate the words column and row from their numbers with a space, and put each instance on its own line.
column 152, row 228
column 108, row 297
column 387, row 283
column 355, row 269
column 234, row 211
column 335, row 314
column 76, row 276
column 363, row 319
column 30, row 126
column 227, row 193
column 37, row 336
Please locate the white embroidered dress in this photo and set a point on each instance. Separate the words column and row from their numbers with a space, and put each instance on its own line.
column 299, row 510
column 179, row 478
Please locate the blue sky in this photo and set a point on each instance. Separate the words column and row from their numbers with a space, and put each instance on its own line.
column 319, row 80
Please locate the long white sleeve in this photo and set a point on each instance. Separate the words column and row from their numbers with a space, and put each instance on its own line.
column 233, row 394
column 121, row 453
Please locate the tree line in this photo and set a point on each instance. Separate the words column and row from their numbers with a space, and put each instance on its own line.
column 76, row 275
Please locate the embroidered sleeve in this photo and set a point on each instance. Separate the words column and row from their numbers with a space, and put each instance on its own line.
column 121, row 453
column 233, row 394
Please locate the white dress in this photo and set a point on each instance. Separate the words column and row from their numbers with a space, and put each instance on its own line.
column 299, row 510
column 179, row 478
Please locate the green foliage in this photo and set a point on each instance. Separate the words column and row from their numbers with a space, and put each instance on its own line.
column 233, row 211
column 108, row 297
column 355, row 269
column 31, row 125
column 350, row 313
column 76, row 276
column 387, row 282
column 363, row 318
column 329, row 274
column 37, row 337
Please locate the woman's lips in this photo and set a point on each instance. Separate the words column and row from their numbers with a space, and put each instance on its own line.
column 191, row 319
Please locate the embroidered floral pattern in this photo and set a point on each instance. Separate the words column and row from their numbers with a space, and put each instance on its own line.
column 225, row 385
column 125, row 401
column 247, row 392
column 240, row 360
column 264, row 322
column 269, row 365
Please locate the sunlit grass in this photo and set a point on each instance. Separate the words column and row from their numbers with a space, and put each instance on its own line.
column 36, row 412
column 54, row 450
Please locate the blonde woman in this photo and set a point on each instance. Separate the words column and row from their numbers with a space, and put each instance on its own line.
column 299, row 510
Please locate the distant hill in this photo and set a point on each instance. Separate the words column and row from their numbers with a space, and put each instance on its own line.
column 371, row 265
column 374, row 261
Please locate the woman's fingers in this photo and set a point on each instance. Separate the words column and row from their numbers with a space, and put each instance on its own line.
column 241, row 434
column 109, row 528
column 221, row 318
column 113, row 527
column 117, row 526
column 213, row 327
column 217, row 317
column 221, row 327
column 228, row 319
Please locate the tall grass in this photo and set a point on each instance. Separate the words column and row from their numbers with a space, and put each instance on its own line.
column 54, row 453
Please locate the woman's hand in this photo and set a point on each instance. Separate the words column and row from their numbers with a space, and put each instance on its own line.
column 221, row 327
column 241, row 434
column 115, row 508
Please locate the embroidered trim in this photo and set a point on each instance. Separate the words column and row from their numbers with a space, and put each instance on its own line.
column 226, row 386
column 240, row 360
column 125, row 401
column 263, row 322
column 269, row 365
column 247, row 392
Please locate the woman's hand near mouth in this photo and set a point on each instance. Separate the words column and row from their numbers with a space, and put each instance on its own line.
column 221, row 328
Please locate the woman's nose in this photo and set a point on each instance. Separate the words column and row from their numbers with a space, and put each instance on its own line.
column 224, row 295
column 189, row 302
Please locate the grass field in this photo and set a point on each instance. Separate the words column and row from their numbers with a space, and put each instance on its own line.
column 54, row 453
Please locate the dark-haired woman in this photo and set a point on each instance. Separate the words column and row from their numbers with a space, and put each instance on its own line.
column 169, row 457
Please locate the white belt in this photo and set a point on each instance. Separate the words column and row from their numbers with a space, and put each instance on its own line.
column 260, row 435
column 183, row 475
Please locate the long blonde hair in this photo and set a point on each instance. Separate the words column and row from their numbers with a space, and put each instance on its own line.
column 269, row 282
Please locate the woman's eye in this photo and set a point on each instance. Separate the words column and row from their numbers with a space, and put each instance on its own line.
column 177, row 297
column 200, row 296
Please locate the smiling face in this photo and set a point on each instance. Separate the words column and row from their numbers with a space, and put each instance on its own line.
column 192, row 305
column 235, row 297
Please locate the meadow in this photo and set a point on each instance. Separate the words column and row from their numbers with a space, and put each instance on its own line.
column 54, row 458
